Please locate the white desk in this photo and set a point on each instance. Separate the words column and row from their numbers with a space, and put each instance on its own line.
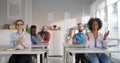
column 65, row 46
column 42, row 46
column 88, row 50
column 32, row 51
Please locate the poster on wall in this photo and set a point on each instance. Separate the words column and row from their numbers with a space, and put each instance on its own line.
column 14, row 9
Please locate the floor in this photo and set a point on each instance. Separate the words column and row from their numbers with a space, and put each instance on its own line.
column 55, row 60
column 60, row 60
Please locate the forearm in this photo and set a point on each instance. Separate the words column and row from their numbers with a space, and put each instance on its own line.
column 74, row 41
column 25, row 45
column 16, row 46
column 36, row 40
column 105, row 45
column 46, row 41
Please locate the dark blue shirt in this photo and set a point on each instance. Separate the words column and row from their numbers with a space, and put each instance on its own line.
column 36, row 39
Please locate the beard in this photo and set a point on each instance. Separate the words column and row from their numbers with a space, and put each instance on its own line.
column 80, row 30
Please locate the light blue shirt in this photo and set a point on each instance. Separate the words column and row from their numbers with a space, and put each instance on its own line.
column 79, row 37
column 14, row 39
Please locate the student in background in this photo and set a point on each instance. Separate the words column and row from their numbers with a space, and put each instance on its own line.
column 70, row 36
column 79, row 39
column 35, row 38
column 20, row 40
column 45, row 35
column 96, row 40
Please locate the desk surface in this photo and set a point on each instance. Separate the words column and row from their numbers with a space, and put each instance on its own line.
column 42, row 45
column 73, row 45
column 95, row 50
column 26, row 51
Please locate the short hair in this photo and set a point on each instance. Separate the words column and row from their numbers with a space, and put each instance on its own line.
column 90, row 22
column 33, row 26
column 80, row 24
column 71, row 29
column 20, row 21
column 44, row 27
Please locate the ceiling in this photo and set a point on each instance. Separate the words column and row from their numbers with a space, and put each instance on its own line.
column 91, row 1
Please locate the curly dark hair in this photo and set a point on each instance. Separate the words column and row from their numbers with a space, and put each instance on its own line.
column 90, row 22
column 33, row 26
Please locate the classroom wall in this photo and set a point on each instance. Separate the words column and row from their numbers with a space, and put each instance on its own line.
column 41, row 9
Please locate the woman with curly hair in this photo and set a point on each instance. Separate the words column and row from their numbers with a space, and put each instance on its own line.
column 96, row 40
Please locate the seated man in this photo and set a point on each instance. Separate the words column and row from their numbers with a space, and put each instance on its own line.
column 20, row 40
column 45, row 35
column 79, row 39
column 36, row 39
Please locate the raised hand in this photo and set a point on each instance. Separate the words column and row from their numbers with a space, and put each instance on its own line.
column 87, row 34
column 105, row 35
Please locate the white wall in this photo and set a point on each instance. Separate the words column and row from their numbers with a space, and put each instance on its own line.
column 26, row 13
column 5, row 37
column 3, row 12
column 36, row 11
column 41, row 8
column 65, row 26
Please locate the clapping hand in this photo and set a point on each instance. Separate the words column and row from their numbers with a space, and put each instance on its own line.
column 105, row 35
column 20, row 39
column 87, row 34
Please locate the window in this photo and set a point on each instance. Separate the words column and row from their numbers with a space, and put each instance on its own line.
column 113, row 20
column 104, row 19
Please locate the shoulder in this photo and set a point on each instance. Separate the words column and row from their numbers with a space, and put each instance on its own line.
column 13, row 34
column 26, row 34
column 76, row 34
column 89, row 33
column 100, row 34
column 37, row 35
column 47, row 32
column 39, row 32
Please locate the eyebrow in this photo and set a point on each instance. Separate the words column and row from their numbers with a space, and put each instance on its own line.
column 17, row 23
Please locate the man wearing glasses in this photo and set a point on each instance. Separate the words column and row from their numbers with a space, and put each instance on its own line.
column 20, row 40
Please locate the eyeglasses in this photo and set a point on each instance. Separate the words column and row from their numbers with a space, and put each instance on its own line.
column 19, row 24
